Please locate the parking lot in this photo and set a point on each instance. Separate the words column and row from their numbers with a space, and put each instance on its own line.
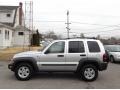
column 107, row 79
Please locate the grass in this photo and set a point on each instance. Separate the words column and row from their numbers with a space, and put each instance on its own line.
column 8, row 53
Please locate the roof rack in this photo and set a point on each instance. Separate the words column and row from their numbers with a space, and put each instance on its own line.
column 82, row 38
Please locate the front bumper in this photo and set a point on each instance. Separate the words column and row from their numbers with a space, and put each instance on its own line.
column 11, row 66
column 103, row 66
column 117, row 59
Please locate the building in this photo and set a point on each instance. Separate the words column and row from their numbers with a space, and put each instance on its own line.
column 21, row 35
column 12, row 15
column 12, row 24
column 6, row 36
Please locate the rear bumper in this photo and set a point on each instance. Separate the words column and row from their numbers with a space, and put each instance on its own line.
column 103, row 66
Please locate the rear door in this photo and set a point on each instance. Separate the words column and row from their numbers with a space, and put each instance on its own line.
column 75, row 52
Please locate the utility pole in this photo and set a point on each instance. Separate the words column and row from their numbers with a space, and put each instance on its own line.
column 68, row 23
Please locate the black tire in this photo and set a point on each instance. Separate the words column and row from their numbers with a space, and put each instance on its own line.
column 85, row 68
column 26, row 65
column 112, row 60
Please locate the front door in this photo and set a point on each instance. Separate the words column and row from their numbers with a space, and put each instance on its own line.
column 53, row 58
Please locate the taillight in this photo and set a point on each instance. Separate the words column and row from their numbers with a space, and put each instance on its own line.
column 105, row 58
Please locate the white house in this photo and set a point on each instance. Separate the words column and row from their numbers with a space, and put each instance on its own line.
column 12, row 15
column 12, row 30
column 21, row 35
column 5, row 36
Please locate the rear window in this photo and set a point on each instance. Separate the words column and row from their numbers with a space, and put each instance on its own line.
column 93, row 46
column 76, row 47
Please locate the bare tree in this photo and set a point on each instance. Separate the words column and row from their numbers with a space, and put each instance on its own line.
column 51, row 34
column 82, row 35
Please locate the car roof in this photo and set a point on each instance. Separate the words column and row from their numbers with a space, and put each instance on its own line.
column 76, row 40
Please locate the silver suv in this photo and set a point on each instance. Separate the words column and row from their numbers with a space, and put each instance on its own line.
column 85, row 57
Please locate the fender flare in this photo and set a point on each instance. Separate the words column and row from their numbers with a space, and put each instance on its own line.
column 90, row 61
column 30, row 60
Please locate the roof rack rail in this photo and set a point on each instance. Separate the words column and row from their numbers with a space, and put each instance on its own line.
column 82, row 38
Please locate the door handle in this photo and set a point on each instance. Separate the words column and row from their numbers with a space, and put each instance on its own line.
column 60, row 55
column 83, row 55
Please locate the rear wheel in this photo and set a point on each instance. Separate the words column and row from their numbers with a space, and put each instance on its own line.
column 23, row 71
column 89, row 72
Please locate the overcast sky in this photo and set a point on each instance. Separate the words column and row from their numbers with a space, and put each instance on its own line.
column 92, row 17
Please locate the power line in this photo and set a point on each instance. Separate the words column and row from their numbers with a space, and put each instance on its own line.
column 48, row 21
column 90, row 24
column 98, row 28
column 79, row 23
column 96, row 32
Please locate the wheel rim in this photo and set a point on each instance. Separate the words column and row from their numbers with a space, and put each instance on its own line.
column 23, row 72
column 89, row 73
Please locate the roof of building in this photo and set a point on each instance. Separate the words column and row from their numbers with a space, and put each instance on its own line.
column 5, row 26
column 8, row 24
column 19, row 27
column 8, row 7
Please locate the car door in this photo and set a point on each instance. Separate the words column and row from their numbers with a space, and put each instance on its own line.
column 53, row 59
column 75, row 52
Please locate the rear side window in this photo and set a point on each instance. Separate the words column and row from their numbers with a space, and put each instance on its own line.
column 93, row 46
column 76, row 47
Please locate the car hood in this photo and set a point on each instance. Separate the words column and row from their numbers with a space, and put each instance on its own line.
column 115, row 53
column 27, row 54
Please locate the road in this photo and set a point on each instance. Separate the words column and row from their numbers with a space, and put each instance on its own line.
column 109, row 79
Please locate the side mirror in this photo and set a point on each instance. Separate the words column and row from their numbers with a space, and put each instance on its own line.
column 47, row 52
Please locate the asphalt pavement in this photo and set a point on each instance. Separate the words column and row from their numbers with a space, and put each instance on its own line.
column 108, row 79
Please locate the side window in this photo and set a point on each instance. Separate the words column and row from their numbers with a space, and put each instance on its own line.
column 57, row 47
column 93, row 46
column 76, row 47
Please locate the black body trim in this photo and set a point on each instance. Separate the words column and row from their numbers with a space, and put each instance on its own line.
column 58, row 64
column 30, row 60
column 100, row 65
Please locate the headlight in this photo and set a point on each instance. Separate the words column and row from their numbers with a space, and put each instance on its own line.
column 118, row 56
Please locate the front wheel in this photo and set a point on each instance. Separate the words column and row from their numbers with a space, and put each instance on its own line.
column 112, row 59
column 89, row 72
column 23, row 71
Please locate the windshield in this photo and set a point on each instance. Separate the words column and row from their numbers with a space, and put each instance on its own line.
column 113, row 48
column 44, row 45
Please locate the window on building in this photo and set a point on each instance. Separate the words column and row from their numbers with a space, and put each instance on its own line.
column 76, row 47
column 8, row 15
column 20, row 33
column 12, row 34
column 6, row 34
column 93, row 46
